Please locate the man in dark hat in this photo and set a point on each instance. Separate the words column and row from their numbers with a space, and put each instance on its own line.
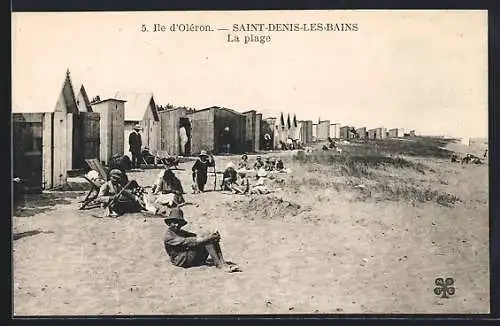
column 200, row 169
column 187, row 249
column 135, row 143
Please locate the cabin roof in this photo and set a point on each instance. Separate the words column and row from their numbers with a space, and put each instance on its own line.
column 137, row 104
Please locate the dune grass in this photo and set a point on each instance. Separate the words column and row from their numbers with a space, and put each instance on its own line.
column 363, row 167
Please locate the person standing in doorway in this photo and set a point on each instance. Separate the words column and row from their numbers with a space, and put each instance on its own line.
column 226, row 140
column 183, row 139
column 200, row 169
column 135, row 143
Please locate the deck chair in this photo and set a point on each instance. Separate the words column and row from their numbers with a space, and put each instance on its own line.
column 151, row 155
column 95, row 165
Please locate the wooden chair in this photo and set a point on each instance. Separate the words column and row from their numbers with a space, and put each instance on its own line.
column 95, row 165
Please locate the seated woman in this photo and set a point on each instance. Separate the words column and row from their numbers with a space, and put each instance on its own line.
column 268, row 166
column 258, row 163
column 116, row 199
column 260, row 187
column 229, row 177
column 279, row 165
column 243, row 164
column 241, row 186
column 168, row 184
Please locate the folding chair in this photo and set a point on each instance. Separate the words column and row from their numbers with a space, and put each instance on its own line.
column 95, row 165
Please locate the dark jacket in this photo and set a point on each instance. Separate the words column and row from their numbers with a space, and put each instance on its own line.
column 183, row 249
column 201, row 168
column 135, row 142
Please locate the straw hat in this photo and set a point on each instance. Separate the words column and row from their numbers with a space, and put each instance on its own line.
column 203, row 153
column 137, row 127
column 230, row 165
column 176, row 215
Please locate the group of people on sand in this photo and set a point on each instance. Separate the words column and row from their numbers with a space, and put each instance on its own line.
column 235, row 178
column 119, row 195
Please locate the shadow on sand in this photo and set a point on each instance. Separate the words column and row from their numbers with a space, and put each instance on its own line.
column 33, row 204
column 19, row 235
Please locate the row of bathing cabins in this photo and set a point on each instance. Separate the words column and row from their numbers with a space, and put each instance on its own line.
column 324, row 129
column 53, row 134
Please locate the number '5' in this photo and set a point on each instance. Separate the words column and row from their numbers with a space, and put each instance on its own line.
column 143, row 28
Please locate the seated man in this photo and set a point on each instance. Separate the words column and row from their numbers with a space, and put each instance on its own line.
column 168, row 183
column 229, row 177
column 187, row 249
column 116, row 199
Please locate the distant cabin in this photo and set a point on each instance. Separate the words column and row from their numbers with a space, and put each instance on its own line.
column 207, row 126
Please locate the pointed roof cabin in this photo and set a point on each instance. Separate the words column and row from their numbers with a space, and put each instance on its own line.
column 52, row 97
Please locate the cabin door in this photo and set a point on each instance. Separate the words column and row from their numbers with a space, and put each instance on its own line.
column 185, row 144
column 27, row 150
column 89, row 135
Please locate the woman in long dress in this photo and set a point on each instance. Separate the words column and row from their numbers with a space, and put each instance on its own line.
column 169, row 190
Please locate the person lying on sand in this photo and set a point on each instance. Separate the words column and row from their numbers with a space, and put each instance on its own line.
column 168, row 189
column 242, row 185
column 260, row 187
column 186, row 249
column 116, row 199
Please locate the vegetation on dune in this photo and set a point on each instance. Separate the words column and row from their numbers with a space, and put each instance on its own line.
column 362, row 167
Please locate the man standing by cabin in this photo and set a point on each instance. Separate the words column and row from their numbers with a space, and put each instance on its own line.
column 135, row 143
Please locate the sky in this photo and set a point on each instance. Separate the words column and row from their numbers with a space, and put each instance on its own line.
column 422, row 70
